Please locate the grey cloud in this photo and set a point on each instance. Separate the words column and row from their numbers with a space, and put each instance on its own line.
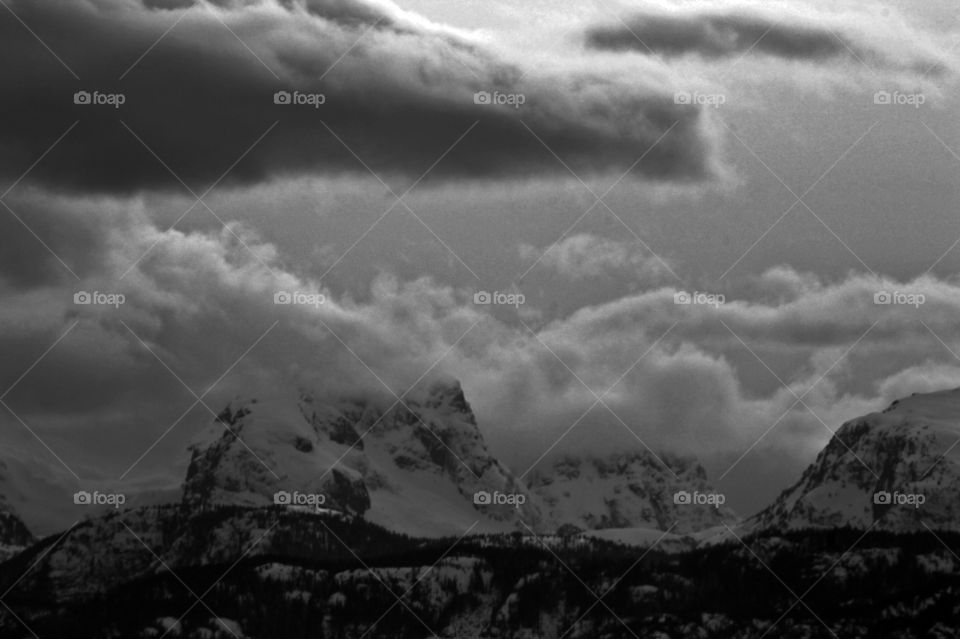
column 399, row 99
column 772, row 31
column 200, row 299
column 583, row 255
column 351, row 12
column 29, row 227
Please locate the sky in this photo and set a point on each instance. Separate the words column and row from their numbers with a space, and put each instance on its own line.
column 787, row 167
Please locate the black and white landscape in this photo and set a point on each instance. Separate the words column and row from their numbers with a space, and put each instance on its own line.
column 403, row 319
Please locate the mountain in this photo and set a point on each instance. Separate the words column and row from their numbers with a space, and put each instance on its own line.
column 266, row 570
column 413, row 467
column 898, row 469
column 629, row 490
column 14, row 534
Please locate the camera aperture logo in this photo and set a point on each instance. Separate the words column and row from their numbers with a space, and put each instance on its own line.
column 899, row 298
column 715, row 100
column 496, row 498
column 297, row 98
column 299, row 298
column 96, row 498
column 898, row 98
column 516, row 100
column 699, row 298
column 98, row 298
column 696, row 498
column 96, row 98
column 485, row 298
column 298, row 499
column 896, row 498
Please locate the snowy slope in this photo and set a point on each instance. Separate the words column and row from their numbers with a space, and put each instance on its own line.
column 627, row 490
column 413, row 468
column 908, row 451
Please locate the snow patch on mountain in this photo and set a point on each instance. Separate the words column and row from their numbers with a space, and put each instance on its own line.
column 898, row 469
column 628, row 490
column 413, row 467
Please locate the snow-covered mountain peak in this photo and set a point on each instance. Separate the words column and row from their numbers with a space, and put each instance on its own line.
column 898, row 469
column 447, row 396
column 939, row 406
column 415, row 466
column 633, row 489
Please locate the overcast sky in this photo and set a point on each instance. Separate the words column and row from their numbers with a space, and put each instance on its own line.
column 790, row 159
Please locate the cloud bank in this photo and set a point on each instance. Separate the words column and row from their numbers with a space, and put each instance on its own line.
column 787, row 31
column 584, row 255
column 671, row 376
column 198, row 81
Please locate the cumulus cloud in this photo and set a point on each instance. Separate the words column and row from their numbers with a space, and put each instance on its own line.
column 584, row 255
column 398, row 91
column 789, row 31
column 672, row 376
column 927, row 377
column 828, row 340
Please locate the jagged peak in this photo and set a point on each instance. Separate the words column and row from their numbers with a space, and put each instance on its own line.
column 354, row 403
column 447, row 392
column 235, row 411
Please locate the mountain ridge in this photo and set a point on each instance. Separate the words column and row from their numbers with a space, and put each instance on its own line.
column 413, row 467
column 896, row 469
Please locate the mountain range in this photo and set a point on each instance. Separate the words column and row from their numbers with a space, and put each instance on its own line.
column 421, row 467
column 308, row 518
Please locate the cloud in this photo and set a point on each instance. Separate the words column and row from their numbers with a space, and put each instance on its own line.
column 924, row 378
column 672, row 377
column 398, row 95
column 584, row 255
column 788, row 31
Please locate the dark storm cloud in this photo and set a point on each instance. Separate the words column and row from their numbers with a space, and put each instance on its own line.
column 342, row 11
column 399, row 92
column 29, row 229
column 750, row 30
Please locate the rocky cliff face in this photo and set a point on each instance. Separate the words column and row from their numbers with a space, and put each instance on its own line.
column 898, row 469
